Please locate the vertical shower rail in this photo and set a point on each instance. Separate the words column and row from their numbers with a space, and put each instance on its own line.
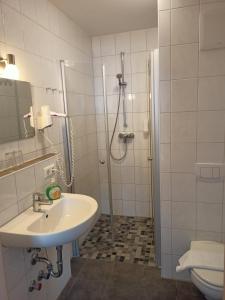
column 106, row 122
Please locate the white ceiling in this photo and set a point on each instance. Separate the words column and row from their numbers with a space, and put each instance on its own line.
column 99, row 17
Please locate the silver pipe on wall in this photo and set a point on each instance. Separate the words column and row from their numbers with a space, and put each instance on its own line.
column 124, row 85
column 106, row 123
column 66, row 136
column 122, row 57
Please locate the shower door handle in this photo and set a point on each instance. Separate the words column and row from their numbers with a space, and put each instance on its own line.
column 102, row 162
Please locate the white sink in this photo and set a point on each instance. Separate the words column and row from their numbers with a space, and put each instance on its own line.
column 62, row 222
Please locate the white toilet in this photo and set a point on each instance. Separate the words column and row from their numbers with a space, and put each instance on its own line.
column 210, row 283
column 205, row 261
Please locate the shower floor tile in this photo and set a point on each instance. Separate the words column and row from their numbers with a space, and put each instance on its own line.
column 132, row 241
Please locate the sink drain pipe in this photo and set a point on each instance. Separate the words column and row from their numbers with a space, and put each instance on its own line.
column 50, row 272
column 59, row 263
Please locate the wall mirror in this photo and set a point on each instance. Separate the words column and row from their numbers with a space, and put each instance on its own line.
column 15, row 105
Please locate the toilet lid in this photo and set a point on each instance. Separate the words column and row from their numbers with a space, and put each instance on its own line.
column 211, row 277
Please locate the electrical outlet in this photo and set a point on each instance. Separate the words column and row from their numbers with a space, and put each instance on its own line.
column 49, row 170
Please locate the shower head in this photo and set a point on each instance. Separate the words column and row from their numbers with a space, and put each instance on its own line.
column 119, row 77
column 121, row 81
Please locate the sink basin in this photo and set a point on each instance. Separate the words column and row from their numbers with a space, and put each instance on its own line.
column 62, row 222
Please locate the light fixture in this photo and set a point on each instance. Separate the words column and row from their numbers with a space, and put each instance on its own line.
column 10, row 70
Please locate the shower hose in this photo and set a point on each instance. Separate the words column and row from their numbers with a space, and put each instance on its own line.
column 114, row 131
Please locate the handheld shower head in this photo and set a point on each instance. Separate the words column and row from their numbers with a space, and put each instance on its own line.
column 119, row 77
column 121, row 81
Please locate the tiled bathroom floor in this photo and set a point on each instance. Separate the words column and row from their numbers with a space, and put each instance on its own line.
column 132, row 241
column 102, row 280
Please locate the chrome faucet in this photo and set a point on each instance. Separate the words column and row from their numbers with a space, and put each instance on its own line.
column 38, row 200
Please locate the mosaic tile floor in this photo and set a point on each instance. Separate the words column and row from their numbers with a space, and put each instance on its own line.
column 132, row 241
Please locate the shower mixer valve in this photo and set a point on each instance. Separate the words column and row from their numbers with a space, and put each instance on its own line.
column 126, row 135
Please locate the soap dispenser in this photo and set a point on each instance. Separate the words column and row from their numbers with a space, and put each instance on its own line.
column 53, row 190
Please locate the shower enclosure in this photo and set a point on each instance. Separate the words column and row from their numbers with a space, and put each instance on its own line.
column 123, row 147
column 124, row 136
column 150, row 130
column 128, row 159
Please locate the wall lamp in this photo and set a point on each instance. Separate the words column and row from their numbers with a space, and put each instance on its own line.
column 10, row 70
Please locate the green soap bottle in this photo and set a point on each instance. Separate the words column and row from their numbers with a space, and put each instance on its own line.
column 53, row 190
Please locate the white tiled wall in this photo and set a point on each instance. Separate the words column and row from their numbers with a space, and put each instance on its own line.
column 192, row 130
column 40, row 35
column 130, row 177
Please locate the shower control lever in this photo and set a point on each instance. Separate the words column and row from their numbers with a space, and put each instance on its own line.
column 126, row 135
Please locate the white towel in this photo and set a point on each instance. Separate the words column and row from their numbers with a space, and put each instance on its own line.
column 203, row 255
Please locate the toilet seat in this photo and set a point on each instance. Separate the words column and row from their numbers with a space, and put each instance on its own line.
column 209, row 282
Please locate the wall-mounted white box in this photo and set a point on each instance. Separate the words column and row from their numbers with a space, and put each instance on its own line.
column 209, row 171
